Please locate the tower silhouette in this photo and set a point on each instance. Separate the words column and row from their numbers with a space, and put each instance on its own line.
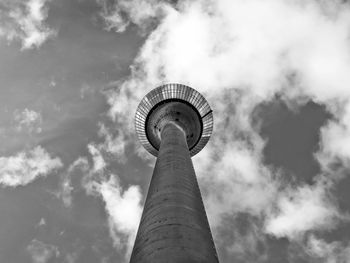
column 174, row 122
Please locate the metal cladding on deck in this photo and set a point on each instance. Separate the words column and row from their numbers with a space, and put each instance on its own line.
column 174, row 227
column 171, row 92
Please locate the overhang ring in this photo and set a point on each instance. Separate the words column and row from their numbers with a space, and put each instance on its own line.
column 174, row 92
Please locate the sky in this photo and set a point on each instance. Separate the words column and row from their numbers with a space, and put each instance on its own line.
column 275, row 174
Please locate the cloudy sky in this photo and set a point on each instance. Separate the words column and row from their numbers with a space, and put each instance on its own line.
column 275, row 174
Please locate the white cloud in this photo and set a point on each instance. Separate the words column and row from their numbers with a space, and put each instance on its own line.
column 25, row 21
column 41, row 252
column 28, row 120
column 112, row 147
column 333, row 252
column 303, row 209
column 99, row 162
column 118, row 14
column 122, row 205
column 124, row 211
column 114, row 142
column 245, row 185
column 65, row 193
column 42, row 222
column 25, row 167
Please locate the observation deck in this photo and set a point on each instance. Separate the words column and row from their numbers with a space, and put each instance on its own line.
column 175, row 103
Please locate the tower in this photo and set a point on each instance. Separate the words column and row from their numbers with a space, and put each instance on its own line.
column 174, row 122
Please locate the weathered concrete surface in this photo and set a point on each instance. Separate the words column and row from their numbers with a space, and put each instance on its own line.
column 174, row 226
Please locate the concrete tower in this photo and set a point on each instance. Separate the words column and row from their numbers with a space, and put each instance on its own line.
column 174, row 122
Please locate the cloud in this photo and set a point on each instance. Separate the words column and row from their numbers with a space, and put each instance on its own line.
column 245, row 242
column 111, row 148
column 98, row 160
column 333, row 252
column 29, row 120
column 114, row 142
column 118, row 14
column 241, row 54
column 70, row 258
column 245, row 185
column 41, row 223
column 41, row 252
column 26, row 166
column 303, row 209
column 25, row 21
column 123, row 207
column 85, row 90
column 122, row 204
column 66, row 188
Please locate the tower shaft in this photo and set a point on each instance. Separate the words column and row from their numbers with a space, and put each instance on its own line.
column 174, row 227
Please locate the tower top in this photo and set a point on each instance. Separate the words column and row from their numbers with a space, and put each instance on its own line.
column 175, row 103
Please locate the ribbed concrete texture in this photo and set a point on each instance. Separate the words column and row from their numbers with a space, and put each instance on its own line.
column 174, row 227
